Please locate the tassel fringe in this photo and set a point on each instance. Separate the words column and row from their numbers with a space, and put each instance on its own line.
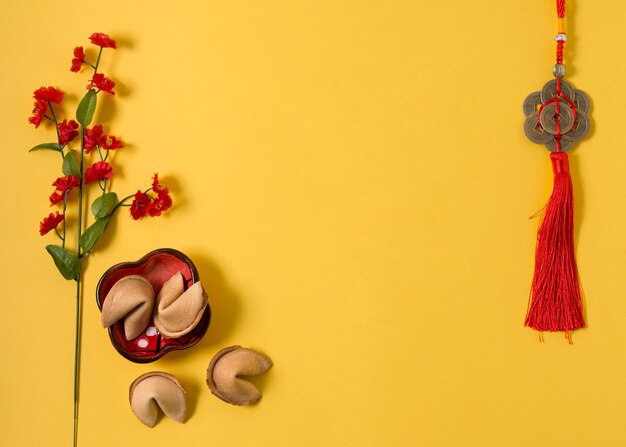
column 555, row 303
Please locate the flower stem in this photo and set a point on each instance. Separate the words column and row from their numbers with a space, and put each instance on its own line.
column 56, row 127
column 54, row 116
column 64, row 206
column 76, row 359
column 95, row 69
column 80, row 190
column 78, row 297
column 121, row 202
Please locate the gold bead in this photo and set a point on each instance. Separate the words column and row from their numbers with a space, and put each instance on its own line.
column 559, row 70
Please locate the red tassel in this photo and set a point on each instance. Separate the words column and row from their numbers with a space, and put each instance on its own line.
column 556, row 303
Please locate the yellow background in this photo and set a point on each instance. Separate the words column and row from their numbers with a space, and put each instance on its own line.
column 353, row 182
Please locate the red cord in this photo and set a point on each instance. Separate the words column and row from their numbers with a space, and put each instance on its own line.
column 560, row 12
column 558, row 109
column 560, row 8
column 570, row 102
column 560, row 43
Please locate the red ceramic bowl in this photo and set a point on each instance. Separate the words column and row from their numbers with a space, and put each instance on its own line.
column 157, row 266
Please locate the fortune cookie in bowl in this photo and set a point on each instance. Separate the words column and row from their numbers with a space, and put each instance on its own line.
column 155, row 390
column 178, row 311
column 130, row 299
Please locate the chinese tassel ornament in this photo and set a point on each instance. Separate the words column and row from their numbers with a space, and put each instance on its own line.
column 557, row 117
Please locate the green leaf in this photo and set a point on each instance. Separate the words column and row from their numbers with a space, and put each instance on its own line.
column 48, row 146
column 67, row 262
column 103, row 205
column 86, row 108
column 69, row 165
column 91, row 234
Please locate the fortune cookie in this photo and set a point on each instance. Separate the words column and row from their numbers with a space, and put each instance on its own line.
column 155, row 390
column 225, row 371
column 177, row 310
column 131, row 299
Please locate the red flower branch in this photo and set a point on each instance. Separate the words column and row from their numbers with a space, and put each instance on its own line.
column 152, row 202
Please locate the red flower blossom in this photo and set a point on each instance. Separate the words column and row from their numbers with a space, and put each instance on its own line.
column 95, row 136
column 63, row 185
column 66, row 183
column 39, row 111
column 101, row 82
column 155, row 182
column 91, row 137
column 56, row 197
column 50, row 223
column 102, row 40
column 79, row 57
column 67, row 131
column 139, row 206
column 48, row 94
column 109, row 142
column 98, row 171
column 162, row 203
